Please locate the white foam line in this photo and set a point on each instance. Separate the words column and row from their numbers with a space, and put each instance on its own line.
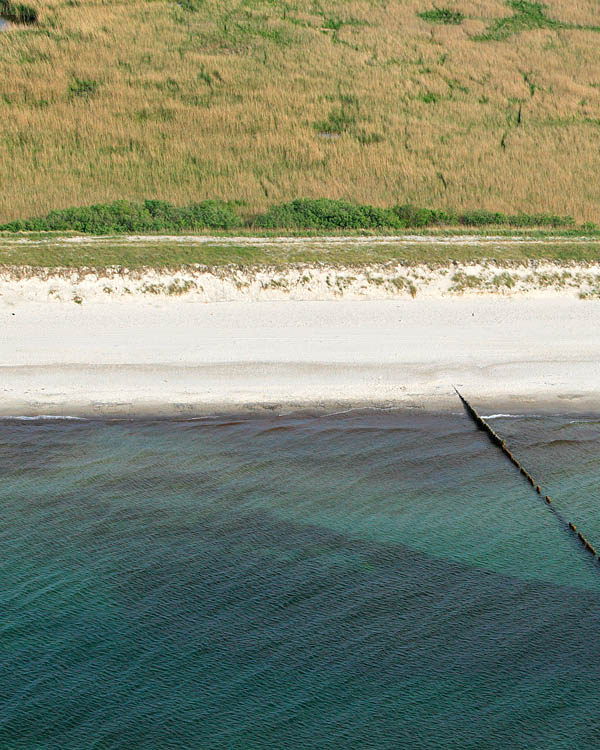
column 497, row 416
column 510, row 416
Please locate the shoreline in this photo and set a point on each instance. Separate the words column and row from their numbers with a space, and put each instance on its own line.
column 269, row 411
column 178, row 358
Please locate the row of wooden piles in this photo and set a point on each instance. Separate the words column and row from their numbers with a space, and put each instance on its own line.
column 495, row 438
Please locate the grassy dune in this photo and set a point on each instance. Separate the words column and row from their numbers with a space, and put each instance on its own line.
column 60, row 251
column 476, row 105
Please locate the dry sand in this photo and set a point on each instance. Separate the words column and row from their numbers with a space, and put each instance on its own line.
column 177, row 355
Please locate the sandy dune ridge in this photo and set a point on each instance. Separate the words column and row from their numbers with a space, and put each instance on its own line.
column 299, row 282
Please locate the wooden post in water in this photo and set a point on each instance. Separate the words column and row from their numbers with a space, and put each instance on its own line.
column 495, row 438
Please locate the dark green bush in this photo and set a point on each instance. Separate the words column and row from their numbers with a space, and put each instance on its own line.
column 540, row 220
column 125, row 216
column 413, row 216
column 481, row 217
column 442, row 15
column 323, row 213
column 18, row 12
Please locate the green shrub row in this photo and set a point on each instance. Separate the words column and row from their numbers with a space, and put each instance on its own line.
column 18, row 12
column 321, row 213
column 126, row 216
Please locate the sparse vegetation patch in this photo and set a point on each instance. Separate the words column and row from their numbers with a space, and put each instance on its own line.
column 520, row 259
column 447, row 16
column 82, row 88
column 527, row 15
column 503, row 279
column 190, row 5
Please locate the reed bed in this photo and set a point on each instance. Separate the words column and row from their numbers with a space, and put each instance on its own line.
column 259, row 102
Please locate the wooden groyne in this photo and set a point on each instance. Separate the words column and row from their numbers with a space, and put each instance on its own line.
column 497, row 440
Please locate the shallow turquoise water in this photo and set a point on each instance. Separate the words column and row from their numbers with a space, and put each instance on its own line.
column 364, row 580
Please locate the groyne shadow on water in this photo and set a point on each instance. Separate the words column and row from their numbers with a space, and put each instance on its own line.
column 501, row 443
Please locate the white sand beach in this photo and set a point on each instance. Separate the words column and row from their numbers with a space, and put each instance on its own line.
column 159, row 355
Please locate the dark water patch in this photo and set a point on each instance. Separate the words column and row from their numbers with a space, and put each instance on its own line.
column 367, row 581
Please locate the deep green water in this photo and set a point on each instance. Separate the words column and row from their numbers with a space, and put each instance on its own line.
column 363, row 580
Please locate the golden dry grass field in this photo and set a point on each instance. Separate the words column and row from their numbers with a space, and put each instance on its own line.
column 262, row 101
